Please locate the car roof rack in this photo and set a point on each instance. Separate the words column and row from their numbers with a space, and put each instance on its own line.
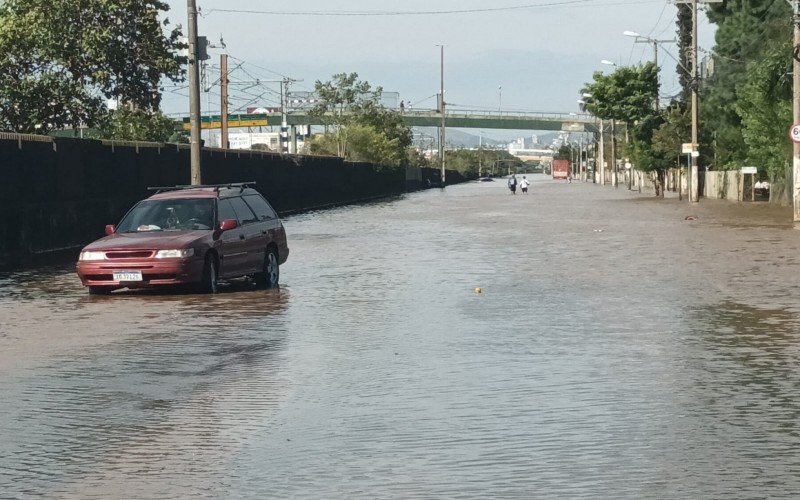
column 217, row 187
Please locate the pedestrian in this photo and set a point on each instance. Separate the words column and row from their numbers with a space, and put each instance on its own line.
column 512, row 184
column 524, row 183
column 402, row 106
column 569, row 177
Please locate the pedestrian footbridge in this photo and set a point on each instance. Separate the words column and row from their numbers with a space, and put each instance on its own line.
column 457, row 118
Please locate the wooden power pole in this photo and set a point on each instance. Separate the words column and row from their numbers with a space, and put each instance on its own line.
column 223, row 115
column 194, row 95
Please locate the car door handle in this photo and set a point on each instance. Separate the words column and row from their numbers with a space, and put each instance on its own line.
column 263, row 232
column 241, row 236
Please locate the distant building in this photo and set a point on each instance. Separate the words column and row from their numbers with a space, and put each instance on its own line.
column 528, row 148
column 246, row 140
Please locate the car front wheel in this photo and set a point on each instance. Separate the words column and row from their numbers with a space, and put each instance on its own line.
column 208, row 284
column 268, row 278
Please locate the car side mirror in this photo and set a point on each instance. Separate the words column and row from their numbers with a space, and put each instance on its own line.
column 111, row 229
column 228, row 224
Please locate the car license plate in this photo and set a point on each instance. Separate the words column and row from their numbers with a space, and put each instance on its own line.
column 127, row 276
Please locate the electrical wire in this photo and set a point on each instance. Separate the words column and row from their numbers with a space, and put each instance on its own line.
column 560, row 3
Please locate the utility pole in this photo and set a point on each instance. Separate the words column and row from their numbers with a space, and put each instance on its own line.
column 223, row 85
column 602, row 156
column 796, row 109
column 284, row 116
column 194, row 95
column 646, row 39
column 693, row 194
column 442, row 140
column 614, row 153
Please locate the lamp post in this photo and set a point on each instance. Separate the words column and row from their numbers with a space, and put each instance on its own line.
column 614, row 172
column 499, row 98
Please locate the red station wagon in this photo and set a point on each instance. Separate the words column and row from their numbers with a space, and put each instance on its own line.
column 188, row 235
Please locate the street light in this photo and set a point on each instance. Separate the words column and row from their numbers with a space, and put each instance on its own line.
column 499, row 98
column 610, row 63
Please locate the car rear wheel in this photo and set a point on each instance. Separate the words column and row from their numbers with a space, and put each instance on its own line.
column 209, row 282
column 100, row 290
column 269, row 277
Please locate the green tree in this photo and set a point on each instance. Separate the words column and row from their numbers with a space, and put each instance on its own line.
column 746, row 31
column 684, row 33
column 470, row 161
column 628, row 95
column 62, row 59
column 765, row 106
column 136, row 125
column 358, row 126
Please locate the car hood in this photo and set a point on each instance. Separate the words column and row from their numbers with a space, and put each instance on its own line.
column 152, row 240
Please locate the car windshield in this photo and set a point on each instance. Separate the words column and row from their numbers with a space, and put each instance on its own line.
column 169, row 215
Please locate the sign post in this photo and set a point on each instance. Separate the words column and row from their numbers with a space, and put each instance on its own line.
column 688, row 149
column 750, row 171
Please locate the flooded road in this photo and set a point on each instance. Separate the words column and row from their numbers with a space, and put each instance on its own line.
column 616, row 351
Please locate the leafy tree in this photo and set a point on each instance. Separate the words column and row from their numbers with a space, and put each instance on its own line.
column 628, row 95
column 365, row 143
column 469, row 161
column 565, row 152
column 136, row 125
column 673, row 132
column 746, row 31
column 62, row 59
column 765, row 107
column 352, row 109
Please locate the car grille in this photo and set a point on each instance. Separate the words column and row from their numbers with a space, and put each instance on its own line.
column 130, row 254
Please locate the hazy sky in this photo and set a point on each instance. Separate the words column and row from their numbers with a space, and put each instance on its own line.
column 540, row 54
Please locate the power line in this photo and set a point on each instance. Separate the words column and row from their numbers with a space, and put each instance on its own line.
column 561, row 3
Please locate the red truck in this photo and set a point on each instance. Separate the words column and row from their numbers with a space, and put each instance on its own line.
column 560, row 169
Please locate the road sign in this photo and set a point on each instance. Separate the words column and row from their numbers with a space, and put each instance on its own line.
column 687, row 148
column 749, row 170
column 794, row 133
column 573, row 127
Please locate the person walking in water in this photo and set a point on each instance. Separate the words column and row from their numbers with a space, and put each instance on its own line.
column 524, row 183
column 512, row 184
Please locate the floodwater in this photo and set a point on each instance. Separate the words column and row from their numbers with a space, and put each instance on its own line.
column 617, row 350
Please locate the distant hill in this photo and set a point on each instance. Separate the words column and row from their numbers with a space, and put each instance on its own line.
column 455, row 138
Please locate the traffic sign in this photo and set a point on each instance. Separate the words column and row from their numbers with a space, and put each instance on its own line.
column 749, row 170
column 687, row 148
column 794, row 133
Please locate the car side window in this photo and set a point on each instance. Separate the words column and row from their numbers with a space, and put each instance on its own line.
column 260, row 207
column 226, row 211
column 246, row 216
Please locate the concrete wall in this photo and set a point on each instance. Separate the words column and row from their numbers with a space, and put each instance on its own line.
column 724, row 185
column 60, row 193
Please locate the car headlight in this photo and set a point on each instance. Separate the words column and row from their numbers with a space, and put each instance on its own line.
column 175, row 254
column 93, row 256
